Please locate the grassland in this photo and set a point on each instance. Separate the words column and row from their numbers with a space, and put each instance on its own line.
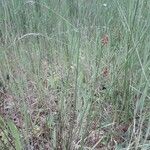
column 74, row 75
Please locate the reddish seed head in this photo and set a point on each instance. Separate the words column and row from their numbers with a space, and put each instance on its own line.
column 105, row 72
column 105, row 39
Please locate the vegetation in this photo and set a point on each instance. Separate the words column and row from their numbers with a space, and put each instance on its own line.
column 75, row 74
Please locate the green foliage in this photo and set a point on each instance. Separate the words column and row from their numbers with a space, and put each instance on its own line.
column 16, row 135
column 82, row 64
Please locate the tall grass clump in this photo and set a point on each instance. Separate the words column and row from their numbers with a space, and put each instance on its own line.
column 74, row 74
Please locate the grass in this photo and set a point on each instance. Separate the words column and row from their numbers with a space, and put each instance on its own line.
column 75, row 75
